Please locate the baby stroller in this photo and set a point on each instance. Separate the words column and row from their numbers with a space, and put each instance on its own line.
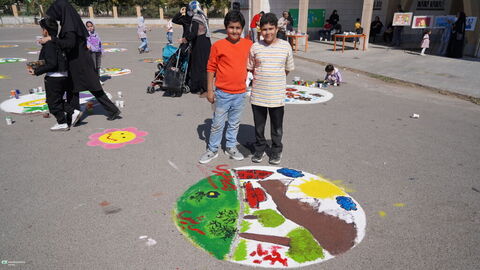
column 172, row 73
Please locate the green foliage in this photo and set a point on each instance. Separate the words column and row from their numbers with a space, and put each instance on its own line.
column 224, row 224
column 303, row 247
column 269, row 218
column 241, row 251
column 245, row 226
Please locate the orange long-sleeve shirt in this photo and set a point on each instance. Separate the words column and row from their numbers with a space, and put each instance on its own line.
column 229, row 63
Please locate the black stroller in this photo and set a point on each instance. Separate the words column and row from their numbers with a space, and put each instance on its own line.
column 172, row 73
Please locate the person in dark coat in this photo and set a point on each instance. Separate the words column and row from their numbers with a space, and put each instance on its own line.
column 182, row 18
column 199, row 36
column 72, row 39
column 334, row 18
column 457, row 37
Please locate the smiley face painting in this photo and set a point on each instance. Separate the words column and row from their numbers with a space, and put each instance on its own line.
column 117, row 138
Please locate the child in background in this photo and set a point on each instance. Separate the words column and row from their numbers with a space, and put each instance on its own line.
column 142, row 35
column 170, row 31
column 270, row 60
column 426, row 41
column 94, row 44
column 227, row 66
column 333, row 75
column 358, row 30
column 56, row 80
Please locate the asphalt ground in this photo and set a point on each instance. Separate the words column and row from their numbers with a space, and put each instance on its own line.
column 65, row 205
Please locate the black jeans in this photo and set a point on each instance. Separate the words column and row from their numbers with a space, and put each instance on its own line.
column 276, row 128
column 56, row 88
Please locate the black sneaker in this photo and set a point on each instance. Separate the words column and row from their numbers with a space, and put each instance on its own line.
column 258, row 157
column 114, row 115
column 275, row 159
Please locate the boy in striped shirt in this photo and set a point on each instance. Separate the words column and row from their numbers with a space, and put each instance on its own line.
column 270, row 61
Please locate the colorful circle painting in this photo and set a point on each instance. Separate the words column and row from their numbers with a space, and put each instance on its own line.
column 4, row 77
column 109, row 43
column 11, row 60
column 269, row 217
column 111, row 50
column 34, row 52
column 114, row 72
column 298, row 94
column 35, row 103
column 8, row 46
column 152, row 60
column 117, row 138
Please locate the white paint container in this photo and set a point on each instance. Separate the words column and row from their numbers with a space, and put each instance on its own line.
column 9, row 120
column 122, row 103
column 119, row 93
column 117, row 103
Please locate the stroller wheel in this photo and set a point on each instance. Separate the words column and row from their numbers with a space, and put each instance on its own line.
column 151, row 89
column 160, row 66
column 185, row 89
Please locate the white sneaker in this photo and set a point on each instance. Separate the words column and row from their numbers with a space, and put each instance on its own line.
column 60, row 127
column 75, row 117
column 102, row 83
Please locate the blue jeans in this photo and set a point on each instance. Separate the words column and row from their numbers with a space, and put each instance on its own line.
column 170, row 37
column 144, row 45
column 228, row 107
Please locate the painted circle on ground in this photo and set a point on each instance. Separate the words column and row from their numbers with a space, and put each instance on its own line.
column 114, row 72
column 151, row 60
column 298, row 94
column 7, row 60
column 34, row 52
column 117, row 138
column 8, row 46
column 36, row 103
column 269, row 217
column 109, row 43
column 4, row 77
column 111, row 50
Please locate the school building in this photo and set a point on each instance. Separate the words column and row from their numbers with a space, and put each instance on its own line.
column 350, row 10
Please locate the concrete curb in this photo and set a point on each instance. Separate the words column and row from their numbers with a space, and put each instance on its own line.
column 387, row 79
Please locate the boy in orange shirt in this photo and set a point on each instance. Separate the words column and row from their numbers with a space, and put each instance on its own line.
column 227, row 65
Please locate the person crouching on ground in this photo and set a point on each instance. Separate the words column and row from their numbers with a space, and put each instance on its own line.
column 270, row 60
column 227, row 66
column 56, row 78
column 333, row 76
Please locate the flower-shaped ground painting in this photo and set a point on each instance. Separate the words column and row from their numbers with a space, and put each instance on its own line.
column 117, row 138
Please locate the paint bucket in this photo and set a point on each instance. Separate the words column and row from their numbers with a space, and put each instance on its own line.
column 9, row 120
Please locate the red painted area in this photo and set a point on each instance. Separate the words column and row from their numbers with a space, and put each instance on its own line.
column 273, row 256
column 291, row 89
column 253, row 174
column 254, row 196
column 191, row 220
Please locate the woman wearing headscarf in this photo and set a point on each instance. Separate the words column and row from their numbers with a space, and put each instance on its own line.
column 457, row 38
column 199, row 36
column 334, row 18
column 72, row 39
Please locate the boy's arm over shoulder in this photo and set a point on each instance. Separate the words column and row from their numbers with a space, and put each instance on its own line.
column 50, row 57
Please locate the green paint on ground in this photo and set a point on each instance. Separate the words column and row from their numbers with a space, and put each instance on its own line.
column 241, row 251
column 246, row 211
column 245, row 226
column 35, row 109
column 269, row 218
column 210, row 222
column 303, row 247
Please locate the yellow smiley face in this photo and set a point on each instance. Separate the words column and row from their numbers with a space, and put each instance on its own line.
column 120, row 136
column 33, row 103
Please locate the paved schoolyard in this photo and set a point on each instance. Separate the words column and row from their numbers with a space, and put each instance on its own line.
column 65, row 205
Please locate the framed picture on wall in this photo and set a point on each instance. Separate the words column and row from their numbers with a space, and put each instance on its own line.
column 443, row 21
column 422, row 22
column 402, row 19
column 471, row 22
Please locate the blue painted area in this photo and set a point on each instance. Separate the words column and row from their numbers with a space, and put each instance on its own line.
column 346, row 203
column 290, row 172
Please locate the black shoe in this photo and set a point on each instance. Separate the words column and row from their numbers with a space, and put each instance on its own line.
column 258, row 157
column 114, row 115
column 275, row 159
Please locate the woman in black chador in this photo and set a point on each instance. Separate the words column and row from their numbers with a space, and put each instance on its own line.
column 72, row 39
column 199, row 36
column 457, row 38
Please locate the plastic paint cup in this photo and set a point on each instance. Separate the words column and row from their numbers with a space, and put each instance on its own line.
column 117, row 103
column 9, row 120
column 122, row 103
column 119, row 93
